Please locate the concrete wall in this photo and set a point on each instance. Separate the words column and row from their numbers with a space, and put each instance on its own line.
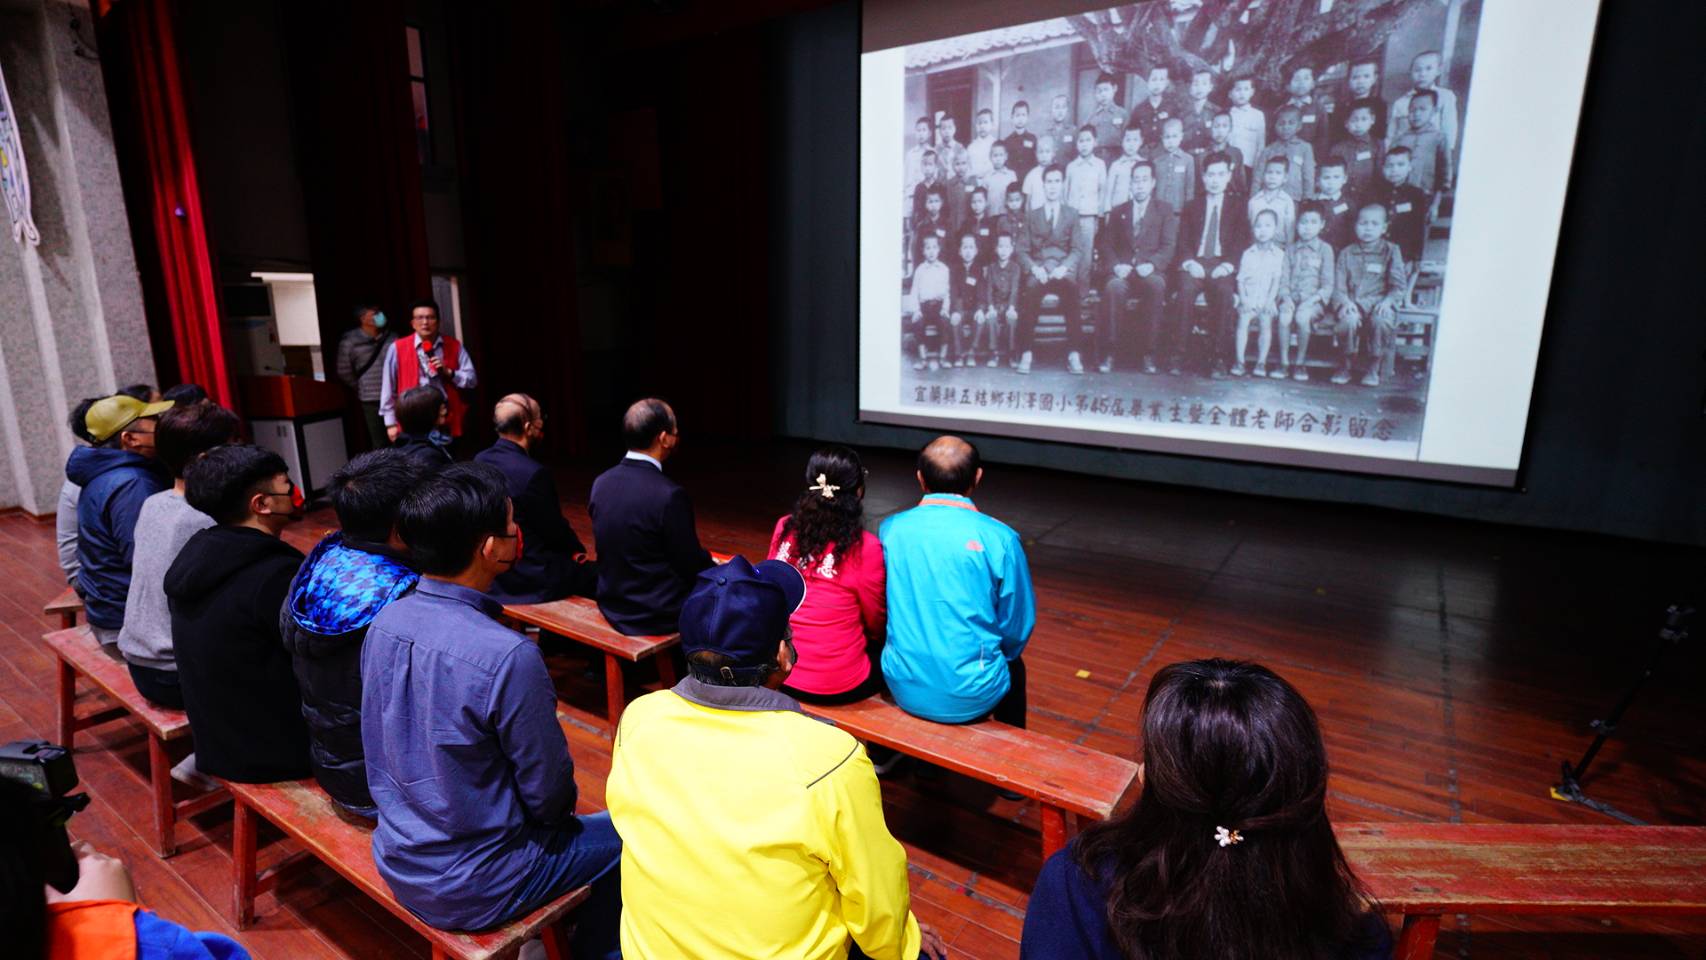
column 71, row 318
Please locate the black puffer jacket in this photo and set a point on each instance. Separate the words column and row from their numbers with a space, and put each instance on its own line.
column 339, row 589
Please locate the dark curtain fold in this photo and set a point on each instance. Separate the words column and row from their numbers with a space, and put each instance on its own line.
column 357, row 156
column 145, row 86
column 518, row 210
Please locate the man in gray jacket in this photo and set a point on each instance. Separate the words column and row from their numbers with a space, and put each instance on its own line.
column 361, row 356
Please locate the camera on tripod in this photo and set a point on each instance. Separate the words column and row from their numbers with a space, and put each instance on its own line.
column 49, row 772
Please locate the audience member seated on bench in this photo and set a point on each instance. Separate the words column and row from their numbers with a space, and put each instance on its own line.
column 116, row 475
column 554, row 565
column 225, row 590
column 1228, row 852
column 421, row 412
column 90, row 910
column 960, row 604
column 65, row 516
column 838, row 630
column 750, row 829
column 648, row 547
column 349, row 577
column 465, row 758
column 163, row 525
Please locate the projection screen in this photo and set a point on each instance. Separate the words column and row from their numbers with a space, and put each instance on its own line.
column 1307, row 232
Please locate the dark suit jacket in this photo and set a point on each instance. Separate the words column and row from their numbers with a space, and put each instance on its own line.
column 422, row 450
column 1234, row 231
column 1044, row 244
column 648, row 548
column 553, row 560
column 1153, row 241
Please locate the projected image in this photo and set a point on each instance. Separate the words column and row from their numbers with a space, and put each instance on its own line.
column 1230, row 221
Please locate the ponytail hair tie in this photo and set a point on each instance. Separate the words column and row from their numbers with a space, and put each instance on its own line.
column 824, row 487
column 1227, row 838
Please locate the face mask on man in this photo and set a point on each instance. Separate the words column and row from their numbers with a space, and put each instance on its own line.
column 379, row 319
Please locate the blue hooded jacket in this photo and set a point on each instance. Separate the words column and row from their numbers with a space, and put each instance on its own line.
column 114, row 482
column 337, row 592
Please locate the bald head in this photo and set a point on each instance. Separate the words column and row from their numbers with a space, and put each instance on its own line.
column 648, row 424
column 514, row 414
column 949, row 465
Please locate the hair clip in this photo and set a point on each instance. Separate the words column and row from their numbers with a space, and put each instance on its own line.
column 1227, row 838
column 824, row 487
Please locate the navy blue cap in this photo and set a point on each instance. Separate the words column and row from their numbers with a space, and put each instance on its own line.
column 741, row 611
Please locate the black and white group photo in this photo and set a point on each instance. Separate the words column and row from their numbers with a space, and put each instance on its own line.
column 1231, row 216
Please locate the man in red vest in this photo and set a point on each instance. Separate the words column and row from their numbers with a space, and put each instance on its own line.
column 430, row 359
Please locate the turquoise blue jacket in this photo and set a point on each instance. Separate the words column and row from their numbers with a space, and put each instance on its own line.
column 960, row 606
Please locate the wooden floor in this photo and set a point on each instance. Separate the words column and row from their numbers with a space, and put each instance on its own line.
column 1454, row 665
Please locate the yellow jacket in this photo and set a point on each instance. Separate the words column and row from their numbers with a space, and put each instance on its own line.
column 751, row 830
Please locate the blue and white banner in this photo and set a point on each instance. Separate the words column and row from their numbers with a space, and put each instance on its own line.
column 14, row 175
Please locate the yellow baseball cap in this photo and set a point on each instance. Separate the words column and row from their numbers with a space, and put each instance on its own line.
column 109, row 416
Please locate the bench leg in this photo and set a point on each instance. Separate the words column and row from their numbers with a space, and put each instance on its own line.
column 243, row 875
column 613, row 690
column 1416, row 942
column 67, row 619
column 1054, row 830
column 666, row 668
column 165, row 814
column 65, row 698
column 556, row 940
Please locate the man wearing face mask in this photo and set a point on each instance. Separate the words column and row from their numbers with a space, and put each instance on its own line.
column 116, row 473
column 359, row 355
column 428, row 358
column 553, row 564
column 224, row 591
column 466, row 762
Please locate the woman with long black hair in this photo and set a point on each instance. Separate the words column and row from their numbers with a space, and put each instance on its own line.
column 1228, row 852
column 838, row 630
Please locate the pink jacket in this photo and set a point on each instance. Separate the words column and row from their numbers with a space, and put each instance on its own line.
column 844, row 604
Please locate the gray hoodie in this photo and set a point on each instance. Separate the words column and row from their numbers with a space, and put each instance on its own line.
column 164, row 525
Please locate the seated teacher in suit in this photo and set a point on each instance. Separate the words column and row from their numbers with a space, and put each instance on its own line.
column 553, row 563
column 1137, row 246
column 1050, row 259
column 642, row 521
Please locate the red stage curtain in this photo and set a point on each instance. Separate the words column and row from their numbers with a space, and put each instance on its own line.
column 186, row 285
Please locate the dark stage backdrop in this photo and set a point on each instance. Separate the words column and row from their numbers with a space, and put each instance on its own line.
column 1615, row 442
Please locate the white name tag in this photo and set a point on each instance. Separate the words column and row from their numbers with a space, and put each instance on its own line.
column 1162, row 115
column 1341, row 208
column 1365, row 155
column 1401, row 208
column 971, row 281
column 984, row 231
column 1309, row 118
column 1373, row 268
column 1178, row 168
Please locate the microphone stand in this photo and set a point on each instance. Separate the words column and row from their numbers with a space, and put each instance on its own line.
column 1569, row 789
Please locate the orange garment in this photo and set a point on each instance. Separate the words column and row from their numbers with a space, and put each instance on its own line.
column 92, row 929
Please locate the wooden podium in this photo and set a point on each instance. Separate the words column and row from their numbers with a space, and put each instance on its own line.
column 302, row 420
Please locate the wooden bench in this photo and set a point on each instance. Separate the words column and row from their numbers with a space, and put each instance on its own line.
column 1062, row 777
column 579, row 619
column 80, row 653
column 306, row 814
column 66, row 607
column 1428, row 870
